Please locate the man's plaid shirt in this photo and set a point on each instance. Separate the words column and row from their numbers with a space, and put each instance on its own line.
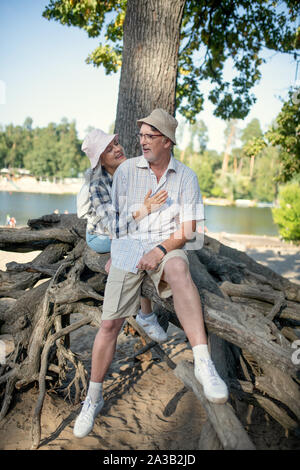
column 132, row 180
column 103, row 219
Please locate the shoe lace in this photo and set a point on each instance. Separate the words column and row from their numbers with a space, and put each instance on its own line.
column 151, row 326
column 87, row 410
column 213, row 375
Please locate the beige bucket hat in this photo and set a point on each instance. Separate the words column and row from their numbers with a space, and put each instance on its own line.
column 163, row 122
column 95, row 143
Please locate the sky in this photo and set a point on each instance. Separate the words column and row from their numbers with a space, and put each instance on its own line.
column 43, row 75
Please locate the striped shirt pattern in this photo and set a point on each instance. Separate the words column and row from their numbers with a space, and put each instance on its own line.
column 132, row 180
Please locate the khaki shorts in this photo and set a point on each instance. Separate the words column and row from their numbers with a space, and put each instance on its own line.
column 123, row 289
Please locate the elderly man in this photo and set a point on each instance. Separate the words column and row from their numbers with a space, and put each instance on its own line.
column 155, row 247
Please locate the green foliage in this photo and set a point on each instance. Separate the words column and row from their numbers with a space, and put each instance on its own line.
column 91, row 15
column 53, row 151
column 285, row 133
column 287, row 216
column 15, row 142
column 236, row 182
column 202, row 166
column 197, row 137
column 232, row 186
column 110, row 58
column 254, row 147
column 252, row 131
column 266, row 169
column 42, row 159
column 212, row 35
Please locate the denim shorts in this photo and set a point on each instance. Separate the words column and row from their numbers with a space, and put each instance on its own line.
column 98, row 243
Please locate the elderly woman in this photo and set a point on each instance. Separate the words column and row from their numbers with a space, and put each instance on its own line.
column 94, row 203
column 94, row 200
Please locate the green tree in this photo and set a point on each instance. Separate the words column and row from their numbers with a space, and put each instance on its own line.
column 285, row 134
column 230, row 133
column 253, row 143
column 15, row 142
column 69, row 161
column 56, row 151
column 3, row 147
column 266, row 170
column 28, row 123
column 171, row 46
column 287, row 215
column 202, row 165
column 197, row 140
column 42, row 160
column 251, row 131
column 198, row 136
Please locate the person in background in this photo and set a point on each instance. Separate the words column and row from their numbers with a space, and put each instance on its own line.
column 12, row 222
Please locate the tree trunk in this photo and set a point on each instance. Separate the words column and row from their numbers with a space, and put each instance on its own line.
column 149, row 66
column 227, row 150
column 252, row 159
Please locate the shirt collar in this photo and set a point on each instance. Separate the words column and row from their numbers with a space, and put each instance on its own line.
column 143, row 163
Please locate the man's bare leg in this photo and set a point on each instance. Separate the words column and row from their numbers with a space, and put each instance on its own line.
column 104, row 348
column 188, row 308
column 103, row 353
column 187, row 303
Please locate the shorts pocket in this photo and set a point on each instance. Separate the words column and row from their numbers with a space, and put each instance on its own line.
column 113, row 290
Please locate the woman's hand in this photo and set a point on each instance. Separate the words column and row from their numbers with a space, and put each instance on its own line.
column 155, row 202
column 108, row 265
column 151, row 204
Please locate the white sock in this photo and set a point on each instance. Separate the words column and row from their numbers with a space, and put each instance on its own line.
column 200, row 352
column 147, row 316
column 95, row 391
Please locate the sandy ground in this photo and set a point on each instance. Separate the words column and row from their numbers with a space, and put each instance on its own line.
column 146, row 406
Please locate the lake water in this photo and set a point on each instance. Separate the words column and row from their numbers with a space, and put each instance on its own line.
column 243, row 220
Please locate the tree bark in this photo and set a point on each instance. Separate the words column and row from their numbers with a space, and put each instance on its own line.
column 149, row 64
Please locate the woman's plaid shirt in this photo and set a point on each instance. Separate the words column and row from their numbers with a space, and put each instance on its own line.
column 103, row 219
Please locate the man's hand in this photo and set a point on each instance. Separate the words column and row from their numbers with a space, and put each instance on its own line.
column 151, row 260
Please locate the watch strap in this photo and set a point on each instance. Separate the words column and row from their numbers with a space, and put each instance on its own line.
column 162, row 248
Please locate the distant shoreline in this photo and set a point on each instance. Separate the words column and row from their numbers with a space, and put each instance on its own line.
column 31, row 185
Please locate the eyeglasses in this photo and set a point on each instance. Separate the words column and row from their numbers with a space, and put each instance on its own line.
column 147, row 137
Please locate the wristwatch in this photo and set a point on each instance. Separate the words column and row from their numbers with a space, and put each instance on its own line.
column 162, row 248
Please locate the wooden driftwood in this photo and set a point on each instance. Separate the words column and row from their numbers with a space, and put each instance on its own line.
column 252, row 316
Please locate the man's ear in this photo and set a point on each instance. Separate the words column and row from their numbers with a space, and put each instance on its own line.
column 167, row 142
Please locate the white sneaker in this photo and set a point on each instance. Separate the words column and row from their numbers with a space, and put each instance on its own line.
column 152, row 328
column 85, row 421
column 215, row 389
